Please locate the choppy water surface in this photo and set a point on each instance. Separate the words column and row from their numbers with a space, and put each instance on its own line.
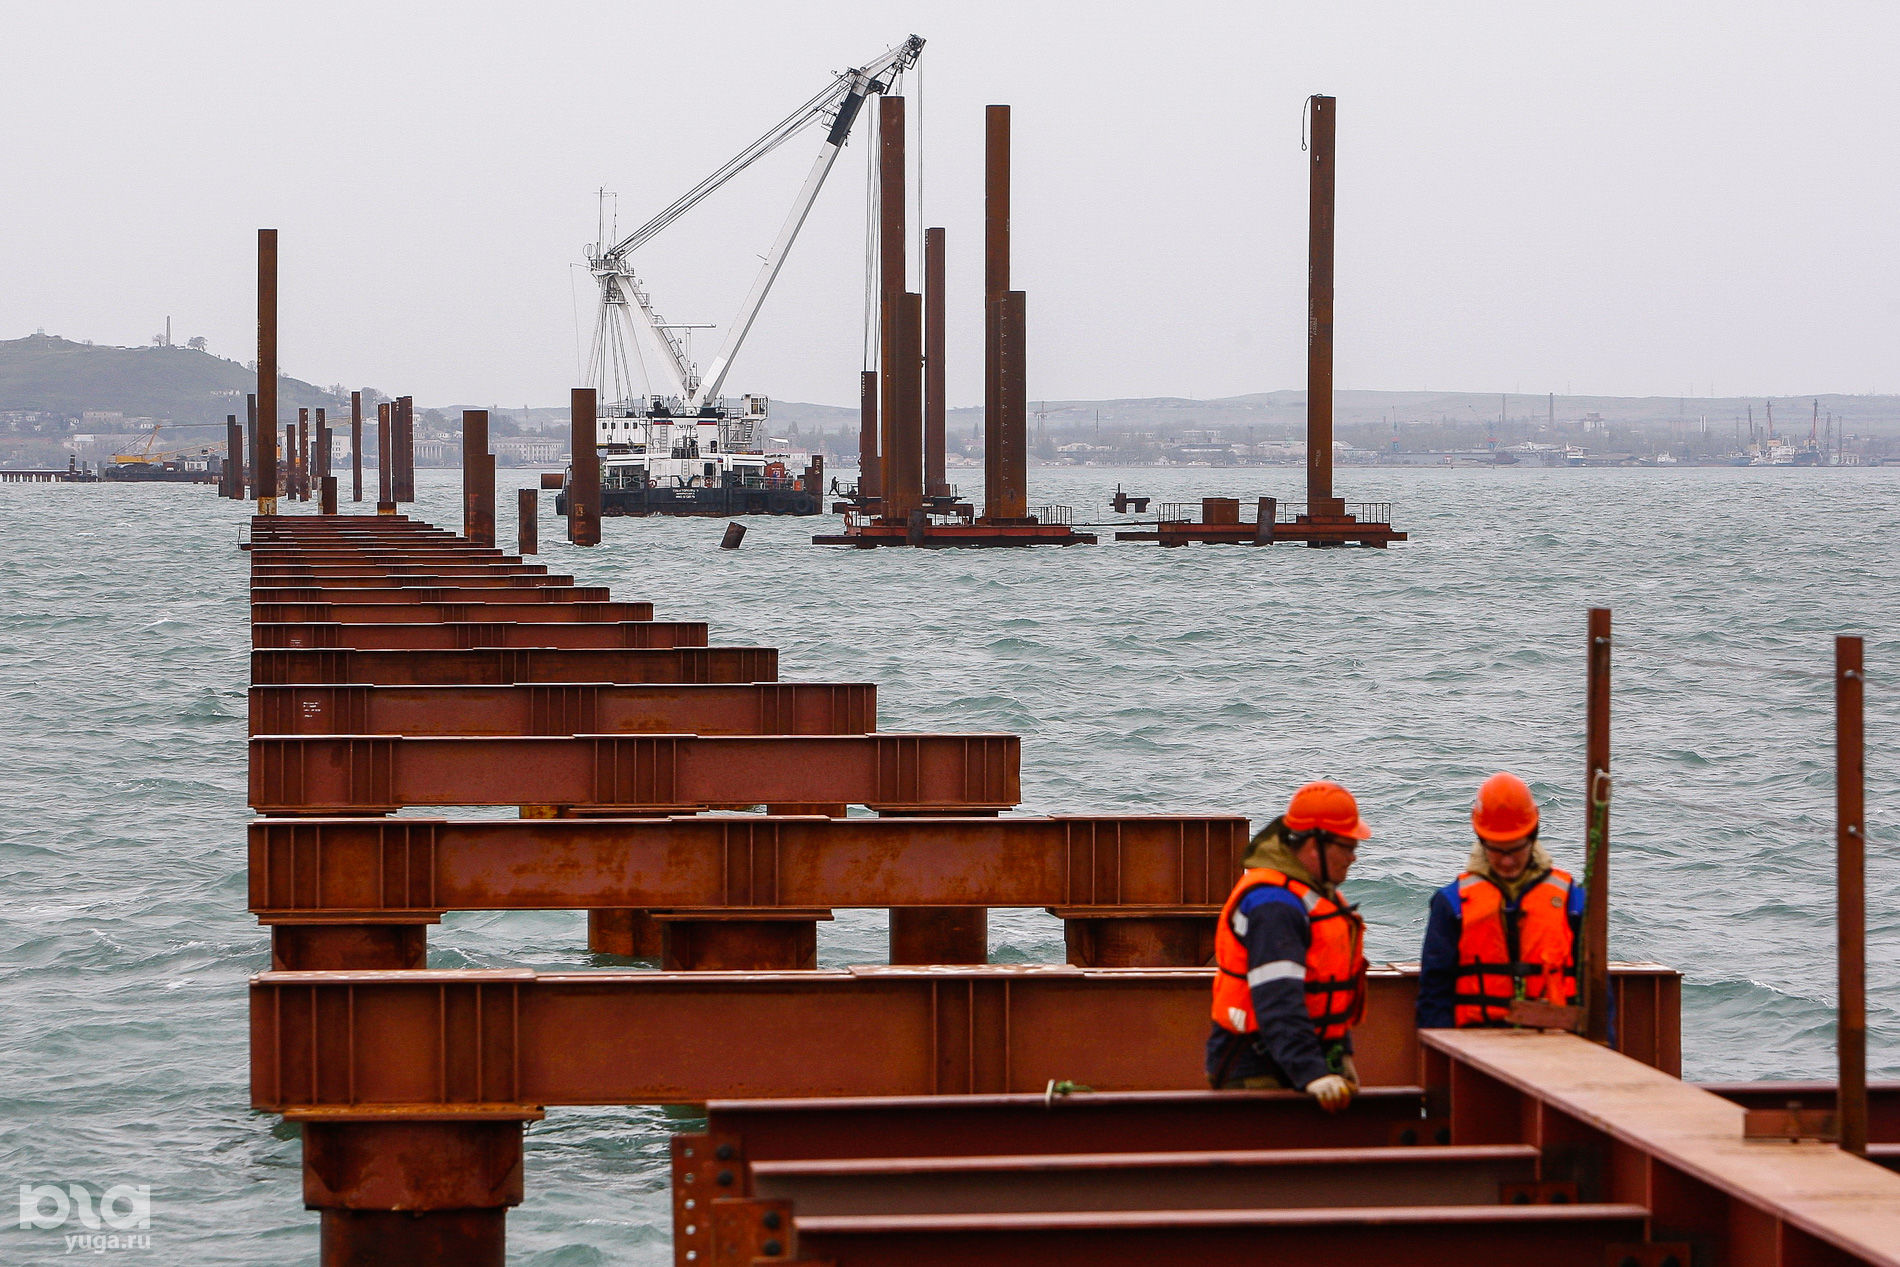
column 1197, row 680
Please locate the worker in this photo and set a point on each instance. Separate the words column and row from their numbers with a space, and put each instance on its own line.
column 1289, row 954
column 1507, row 928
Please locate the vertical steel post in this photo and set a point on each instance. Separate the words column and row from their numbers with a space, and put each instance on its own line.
column 870, row 481
column 583, row 482
column 474, row 449
column 323, row 445
column 356, row 446
column 995, row 286
column 234, row 456
column 1319, row 314
column 527, row 521
column 1850, row 812
column 385, row 461
column 406, row 455
column 267, row 371
column 901, row 482
column 935, row 485
column 326, row 496
column 300, row 457
column 252, row 483
column 1010, row 498
column 1596, row 919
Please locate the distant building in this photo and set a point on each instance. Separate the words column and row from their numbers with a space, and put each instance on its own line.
column 529, row 450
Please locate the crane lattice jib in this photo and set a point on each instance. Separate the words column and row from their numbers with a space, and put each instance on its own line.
column 825, row 102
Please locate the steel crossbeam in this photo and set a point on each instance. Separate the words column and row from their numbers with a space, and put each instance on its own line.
column 483, row 633
column 487, row 611
column 500, row 666
column 378, row 773
column 424, row 1041
column 765, row 708
column 302, row 868
column 387, row 590
column 348, row 571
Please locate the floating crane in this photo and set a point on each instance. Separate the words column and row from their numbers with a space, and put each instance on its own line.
column 687, row 451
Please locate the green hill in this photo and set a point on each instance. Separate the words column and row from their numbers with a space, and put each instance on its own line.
column 173, row 384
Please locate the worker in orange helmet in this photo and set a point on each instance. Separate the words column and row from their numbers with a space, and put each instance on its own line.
column 1289, row 953
column 1508, row 927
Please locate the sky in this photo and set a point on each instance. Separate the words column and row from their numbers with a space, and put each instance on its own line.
column 1613, row 198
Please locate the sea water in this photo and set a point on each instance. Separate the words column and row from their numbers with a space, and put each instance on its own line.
column 1142, row 680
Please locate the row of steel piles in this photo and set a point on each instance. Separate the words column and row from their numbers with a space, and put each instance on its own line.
column 902, row 407
column 399, row 666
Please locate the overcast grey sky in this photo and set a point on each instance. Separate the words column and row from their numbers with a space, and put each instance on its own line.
column 1606, row 198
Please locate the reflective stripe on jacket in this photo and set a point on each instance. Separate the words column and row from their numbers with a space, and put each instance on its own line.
column 1334, row 972
column 1507, row 951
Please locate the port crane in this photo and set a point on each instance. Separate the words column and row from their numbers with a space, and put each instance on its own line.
column 622, row 294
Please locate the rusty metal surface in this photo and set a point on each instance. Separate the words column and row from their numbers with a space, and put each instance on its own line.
column 450, row 1038
column 374, row 773
column 1418, row 1236
column 527, row 521
column 1639, row 1134
column 870, row 464
column 1319, row 303
column 313, row 865
column 501, row 608
column 266, row 428
column 495, row 666
column 935, row 485
column 1595, row 951
column 583, row 493
column 770, row 708
column 1850, row 812
column 392, row 589
column 356, row 446
column 483, row 633
column 1146, row 1179
column 1883, row 1101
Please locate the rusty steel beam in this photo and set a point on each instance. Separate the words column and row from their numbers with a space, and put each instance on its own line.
column 1883, row 1103
column 251, row 481
column 583, row 491
column 394, row 592
column 900, row 484
column 769, row 708
column 1596, row 920
column 935, row 485
column 1850, row 813
column 1011, row 500
column 491, row 611
column 405, row 416
column 498, row 666
column 375, row 773
column 527, row 521
column 302, row 868
column 356, row 572
column 233, row 458
column 752, row 1131
column 1418, row 1236
column 1319, row 309
column 300, row 456
column 266, row 446
column 1144, row 1178
column 480, row 633
column 869, row 462
column 1626, row 1132
column 385, row 475
column 356, row 446
column 430, row 1040
column 478, row 479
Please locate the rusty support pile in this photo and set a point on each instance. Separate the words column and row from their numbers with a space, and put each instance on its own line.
column 903, row 498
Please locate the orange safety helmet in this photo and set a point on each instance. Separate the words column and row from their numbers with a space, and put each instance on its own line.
column 1504, row 810
column 1325, row 806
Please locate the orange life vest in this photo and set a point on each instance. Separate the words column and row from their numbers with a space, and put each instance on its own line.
column 1532, row 958
column 1335, row 960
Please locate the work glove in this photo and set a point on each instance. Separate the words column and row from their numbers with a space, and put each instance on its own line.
column 1333, row 1092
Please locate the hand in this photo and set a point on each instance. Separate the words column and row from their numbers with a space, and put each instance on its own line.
column 1333, row 1092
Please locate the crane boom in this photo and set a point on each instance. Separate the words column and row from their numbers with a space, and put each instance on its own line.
column 841, row 101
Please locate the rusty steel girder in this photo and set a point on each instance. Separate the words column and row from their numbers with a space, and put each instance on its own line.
column 523, row 611
column 380, row 773
column 385, row 589
column 483, row 633
column 304, row 867
column 763, row 708
column 424, row 1040
column 501, row 666
column 417, row 574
